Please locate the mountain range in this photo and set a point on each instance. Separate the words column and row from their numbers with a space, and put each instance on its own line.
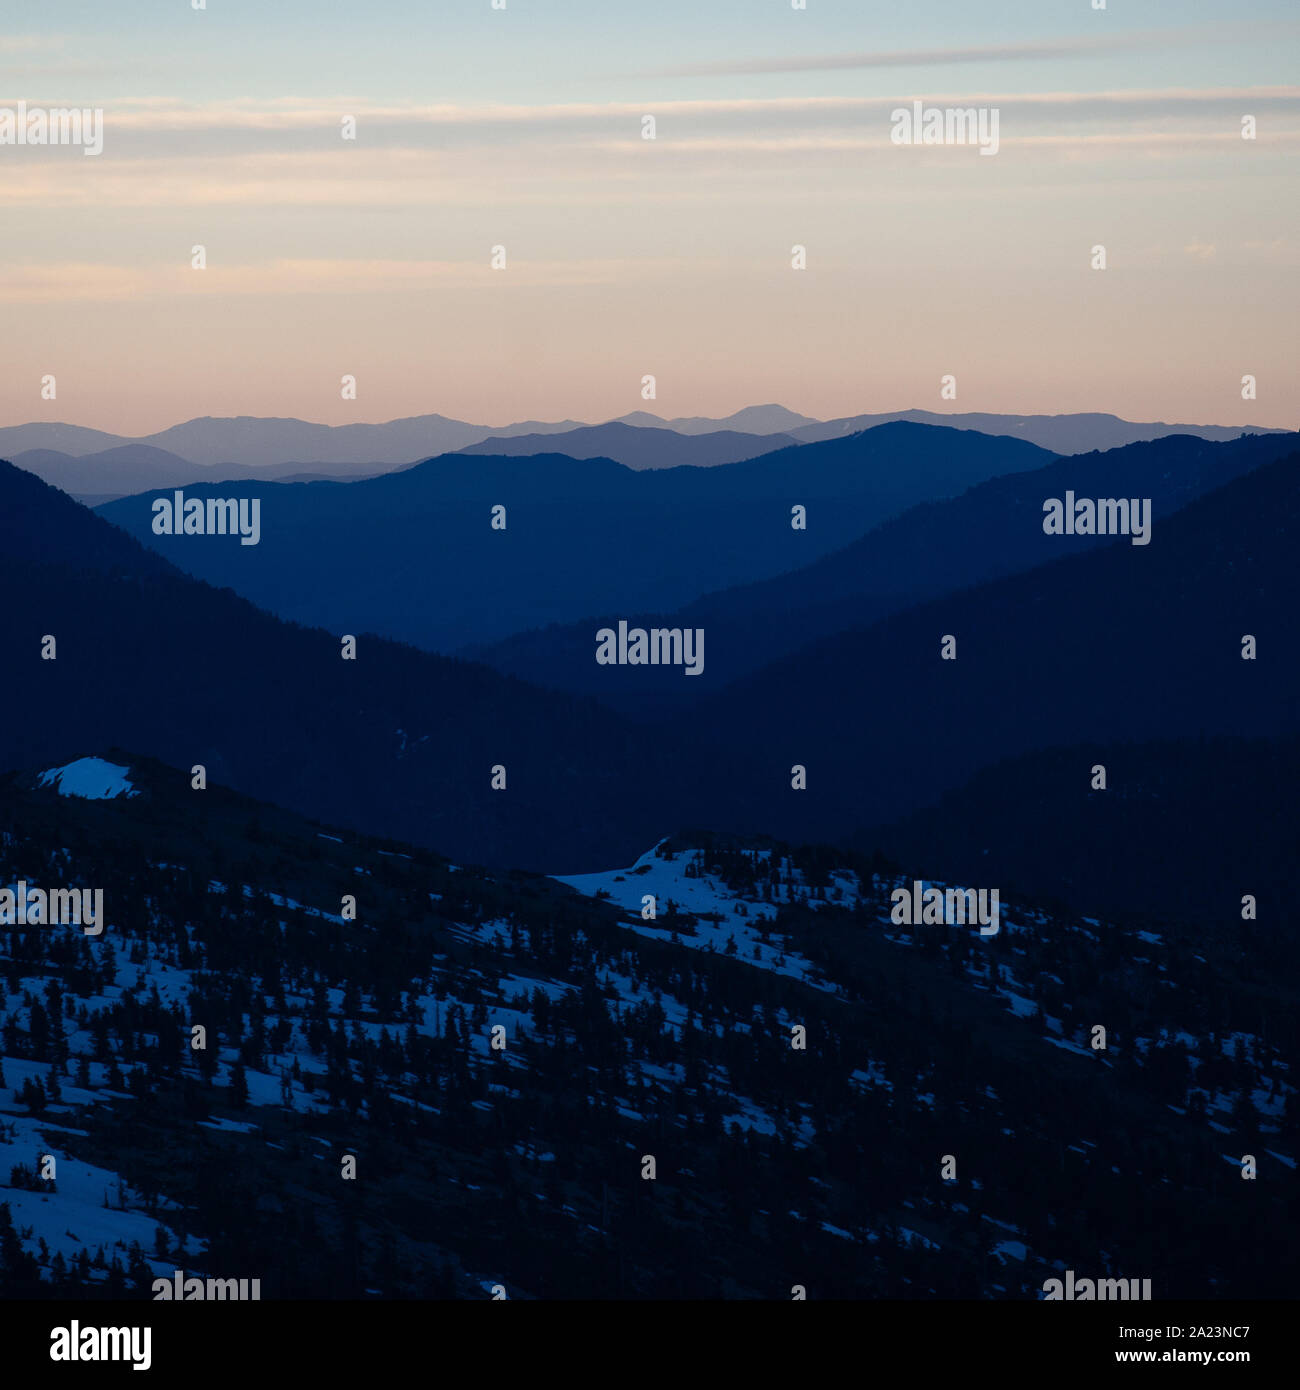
column 397, row 741
column 115, row 465
column 414, row 555
column 1117, row 644
column 992, row 529
column 604, row 1001
column 1062, row 434
column 639, row 446
column 1114, row 644
column 129, row 468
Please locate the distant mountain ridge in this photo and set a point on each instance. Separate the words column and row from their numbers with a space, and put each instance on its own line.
column 1062, row 434
column 640, row 446
column 580, row 535
column 754, row 419
column 130, row 468
column 256, row 443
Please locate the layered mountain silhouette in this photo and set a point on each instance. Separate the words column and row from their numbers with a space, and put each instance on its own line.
column 1120, row 644
column 259, row 443
column 754, row 419
column 130, row 468
column 994, row 529
column 639, row 447
column 1062, row 434
column 414, row 554
column 146, row 657
column 1124, row 643
column 256, row 441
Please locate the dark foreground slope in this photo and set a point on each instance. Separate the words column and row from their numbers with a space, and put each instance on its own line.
column 1185, row 829
column 646, row 1126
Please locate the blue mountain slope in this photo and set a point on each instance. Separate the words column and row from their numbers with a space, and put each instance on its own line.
column 414, row 555
column 1122, row 643
column 992, row 530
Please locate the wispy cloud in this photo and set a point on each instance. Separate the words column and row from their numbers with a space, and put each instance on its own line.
column 450, row 123
column 1077, row 46
column 78, row 281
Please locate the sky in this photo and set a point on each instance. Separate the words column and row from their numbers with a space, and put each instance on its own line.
column 626, row 258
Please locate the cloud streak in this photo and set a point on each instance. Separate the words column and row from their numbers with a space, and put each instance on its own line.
column 77, row 281
column 1079, row 46
column 168, row 126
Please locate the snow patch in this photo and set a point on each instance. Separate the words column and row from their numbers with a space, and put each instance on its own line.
column 93, row 779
